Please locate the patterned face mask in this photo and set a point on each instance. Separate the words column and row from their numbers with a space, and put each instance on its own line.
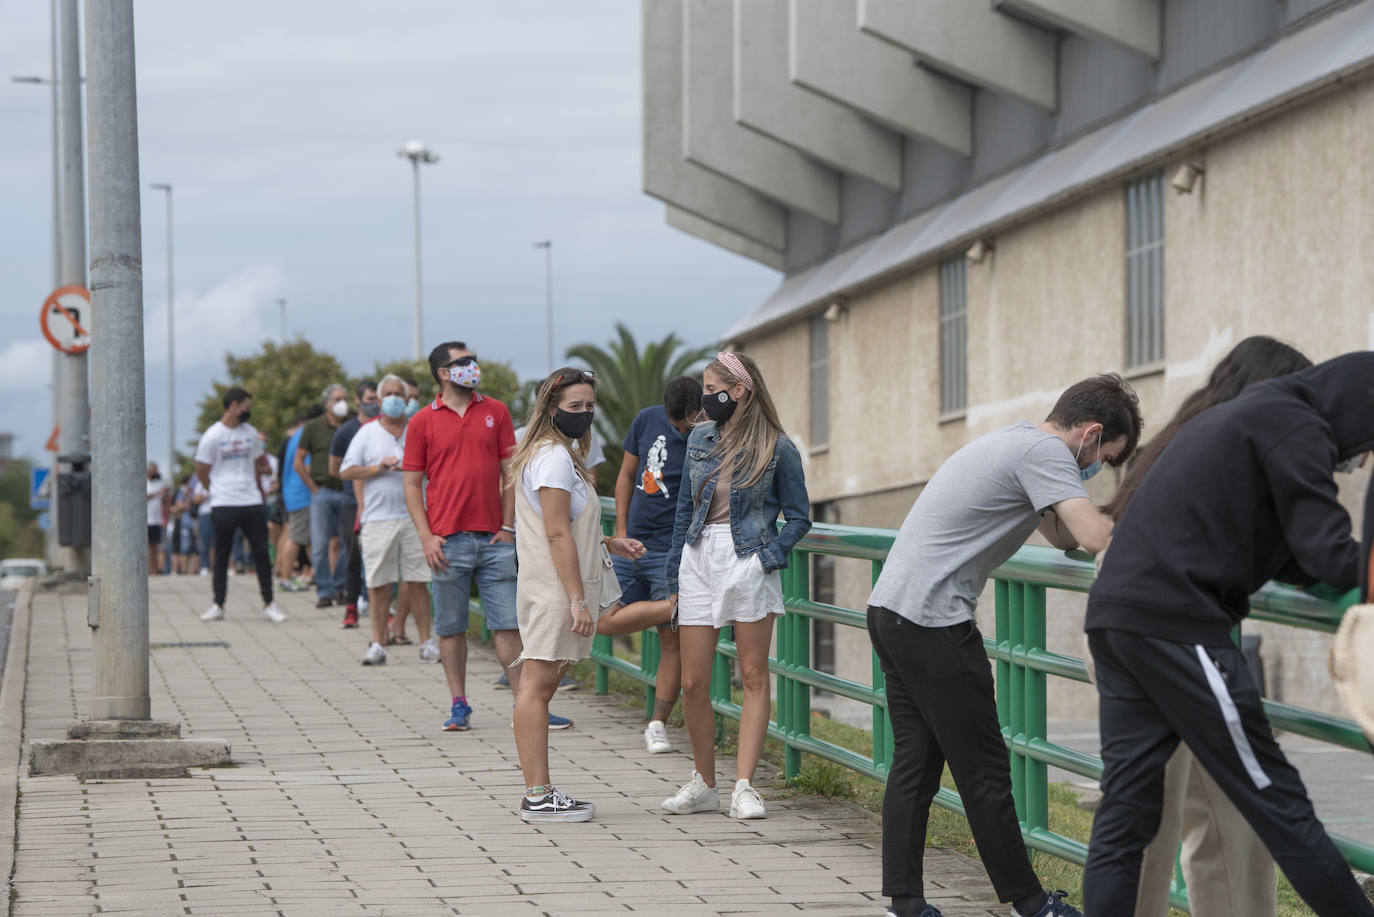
column 465, row 373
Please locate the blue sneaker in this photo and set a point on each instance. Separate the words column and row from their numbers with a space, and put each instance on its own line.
column 458, row 718
column 1054, row 906
column 557, row 722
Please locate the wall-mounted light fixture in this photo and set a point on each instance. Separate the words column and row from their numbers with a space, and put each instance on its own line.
column 1185, row 177
column 978, row 251
column 834, row 312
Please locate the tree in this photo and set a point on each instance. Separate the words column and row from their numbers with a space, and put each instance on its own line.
column 630, row 381
column 19, row 532
column 283, row 380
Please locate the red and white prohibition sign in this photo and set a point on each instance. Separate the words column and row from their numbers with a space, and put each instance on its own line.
column 66, row 319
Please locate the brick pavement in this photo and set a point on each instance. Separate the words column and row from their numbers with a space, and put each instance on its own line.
column 347, row 799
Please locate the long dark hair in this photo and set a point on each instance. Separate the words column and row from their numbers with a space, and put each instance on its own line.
column 1254, row 359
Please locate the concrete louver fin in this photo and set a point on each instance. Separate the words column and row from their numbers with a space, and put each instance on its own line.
column 767, row 101
column 668, row 176
column 725, row 238
column 712, row 138
column 972, row 41
column 1133, row 24
column 828, row 54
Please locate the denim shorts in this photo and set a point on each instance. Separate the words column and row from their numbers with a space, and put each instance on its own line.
column 643, row 580
column 470, row 557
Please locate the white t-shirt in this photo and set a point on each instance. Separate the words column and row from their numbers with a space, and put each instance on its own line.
column 595, row 454
column 231, row 453
column 266, row 480
column 384, row 495
column 155, row 489
column 552, row 466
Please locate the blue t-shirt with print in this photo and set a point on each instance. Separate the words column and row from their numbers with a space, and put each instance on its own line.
column 661, row 450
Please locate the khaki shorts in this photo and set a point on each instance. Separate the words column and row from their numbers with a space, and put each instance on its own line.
column 392, row 553
column 298, row 525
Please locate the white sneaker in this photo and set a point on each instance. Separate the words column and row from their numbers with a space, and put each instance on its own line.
column 214, row 613
column 273, row 613
column 204, row 572
column 656, row 738
column 429, row 651
column 375, row 655
column 362, row 605
column 695, row 796
column 746, row 802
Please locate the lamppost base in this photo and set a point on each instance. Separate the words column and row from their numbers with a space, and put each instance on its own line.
column 125, row 749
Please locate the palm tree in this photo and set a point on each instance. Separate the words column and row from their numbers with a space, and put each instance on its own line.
column 629, row 381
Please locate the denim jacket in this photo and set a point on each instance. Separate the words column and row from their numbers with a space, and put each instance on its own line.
column 754, row 510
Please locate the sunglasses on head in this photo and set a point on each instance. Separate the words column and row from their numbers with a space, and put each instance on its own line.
column 461, row 361
column 573, row 377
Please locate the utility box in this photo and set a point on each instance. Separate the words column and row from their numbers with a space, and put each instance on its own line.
column 74, row 509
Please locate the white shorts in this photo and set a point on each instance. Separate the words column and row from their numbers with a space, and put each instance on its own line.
column 717, row 588
column 392, row 552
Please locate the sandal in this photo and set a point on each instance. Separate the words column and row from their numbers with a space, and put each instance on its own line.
column 399, row 640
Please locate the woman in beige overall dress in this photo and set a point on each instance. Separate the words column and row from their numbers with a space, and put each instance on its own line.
column 565, row 581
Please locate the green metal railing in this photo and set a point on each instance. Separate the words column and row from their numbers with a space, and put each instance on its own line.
column 1022, row 665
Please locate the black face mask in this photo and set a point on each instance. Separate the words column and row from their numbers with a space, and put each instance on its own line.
column 573, row 425
column 370, row 409
column 243, row 418
column 719, row 406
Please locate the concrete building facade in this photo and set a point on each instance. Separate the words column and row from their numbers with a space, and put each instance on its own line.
column 1125, row 185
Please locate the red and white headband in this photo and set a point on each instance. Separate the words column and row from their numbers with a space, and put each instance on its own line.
column 736, row 367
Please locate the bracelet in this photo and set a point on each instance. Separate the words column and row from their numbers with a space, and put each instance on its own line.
column 579, row 603
column 508, row 528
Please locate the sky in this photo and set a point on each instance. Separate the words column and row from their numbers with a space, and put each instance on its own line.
column 278, row 124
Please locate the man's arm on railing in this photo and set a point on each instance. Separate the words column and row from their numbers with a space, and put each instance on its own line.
column 1076, row 523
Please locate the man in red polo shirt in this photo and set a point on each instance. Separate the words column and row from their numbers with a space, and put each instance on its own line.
column 457, row 452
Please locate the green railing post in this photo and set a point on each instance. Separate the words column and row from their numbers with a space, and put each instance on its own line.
column 602, row 646
column 650, row 657
column 1036, row 715
column 1016, row 637
column 720, row 677
column 799, row 658
column 1001, row 629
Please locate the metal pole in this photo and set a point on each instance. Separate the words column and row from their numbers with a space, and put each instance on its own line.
column 119, row 686
column 417, row 340
column 171, row 353
column 74, row 435
column 547, row 245
column 52, row 550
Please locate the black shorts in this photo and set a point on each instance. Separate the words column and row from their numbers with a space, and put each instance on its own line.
column 154, row 534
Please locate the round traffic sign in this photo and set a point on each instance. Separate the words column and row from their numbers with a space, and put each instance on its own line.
column 66, row 319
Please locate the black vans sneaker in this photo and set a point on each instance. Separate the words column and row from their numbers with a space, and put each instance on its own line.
column 555, row 806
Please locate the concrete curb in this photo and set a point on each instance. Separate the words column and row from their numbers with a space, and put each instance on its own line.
column 12, row 732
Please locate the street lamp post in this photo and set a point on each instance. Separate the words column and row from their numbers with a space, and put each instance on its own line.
column 416, row 152
column 547, row 246
column 171, row 341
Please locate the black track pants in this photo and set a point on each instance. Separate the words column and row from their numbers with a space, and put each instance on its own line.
column 253, row 521
column 1155, row 693
column 941, row 701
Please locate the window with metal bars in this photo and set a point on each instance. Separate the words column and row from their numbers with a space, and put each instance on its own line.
column 820, row 380
column 953, row 334
column 1145, row 271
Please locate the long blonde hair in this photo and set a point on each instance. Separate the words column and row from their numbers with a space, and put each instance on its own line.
column 752, row 433
column 540, row 428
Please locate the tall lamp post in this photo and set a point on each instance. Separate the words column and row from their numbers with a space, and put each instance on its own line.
column 416, row 152
column 171, row 342
column 547, row 246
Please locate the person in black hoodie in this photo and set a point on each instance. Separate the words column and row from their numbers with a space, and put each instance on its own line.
column 1245, row 493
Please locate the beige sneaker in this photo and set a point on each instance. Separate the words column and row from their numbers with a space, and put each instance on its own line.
column 656, row 738
column 694, row 796
column 213, row 613
column 746, row 802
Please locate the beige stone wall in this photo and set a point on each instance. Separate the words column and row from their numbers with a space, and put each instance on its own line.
column 1275, row 239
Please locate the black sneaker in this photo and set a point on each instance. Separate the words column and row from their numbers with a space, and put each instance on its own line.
column 1054, row 906
column 555, row 806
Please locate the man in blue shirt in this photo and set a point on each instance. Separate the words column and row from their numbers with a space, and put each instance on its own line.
column 295, row 503
column 645, row 505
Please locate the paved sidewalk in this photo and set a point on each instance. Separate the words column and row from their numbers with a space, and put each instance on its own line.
column 347, row 798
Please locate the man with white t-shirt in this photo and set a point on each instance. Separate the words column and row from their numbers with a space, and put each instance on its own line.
column 228, row 462
column 390, row 546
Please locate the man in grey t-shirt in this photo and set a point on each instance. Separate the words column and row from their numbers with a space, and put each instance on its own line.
column 981, row 506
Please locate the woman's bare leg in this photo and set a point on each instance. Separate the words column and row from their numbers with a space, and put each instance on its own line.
column 535, row 688
column 752, row 640
column 698, row 656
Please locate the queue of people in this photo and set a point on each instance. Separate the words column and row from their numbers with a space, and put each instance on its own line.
column 446, row 497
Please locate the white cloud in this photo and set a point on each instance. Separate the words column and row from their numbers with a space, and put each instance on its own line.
column 234, row 315
column 26, row 365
